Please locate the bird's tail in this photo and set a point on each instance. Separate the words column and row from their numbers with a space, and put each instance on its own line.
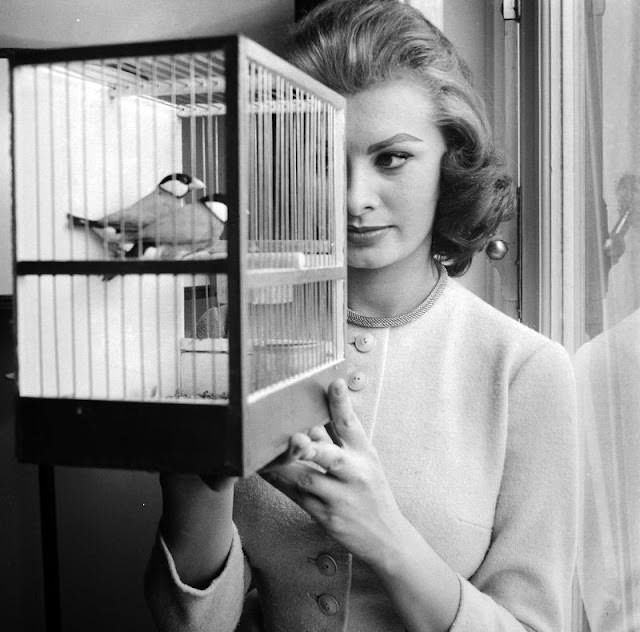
column 85, row 221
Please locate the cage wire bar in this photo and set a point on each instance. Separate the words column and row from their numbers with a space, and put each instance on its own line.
column 291, row 324
column 179, row 252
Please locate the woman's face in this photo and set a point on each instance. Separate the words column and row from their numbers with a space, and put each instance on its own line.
column 393, row 157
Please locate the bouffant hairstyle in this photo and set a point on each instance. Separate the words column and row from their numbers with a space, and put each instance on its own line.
column 350, row 45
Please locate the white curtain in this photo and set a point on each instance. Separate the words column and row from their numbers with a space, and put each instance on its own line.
column 608, row 363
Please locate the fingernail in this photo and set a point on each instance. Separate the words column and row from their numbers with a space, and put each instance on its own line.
column 339, row 387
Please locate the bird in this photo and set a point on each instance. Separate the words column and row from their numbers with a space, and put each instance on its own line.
column 128, row 231
column 200, row 226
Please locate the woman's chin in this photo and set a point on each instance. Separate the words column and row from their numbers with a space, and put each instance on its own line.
column 361, row 263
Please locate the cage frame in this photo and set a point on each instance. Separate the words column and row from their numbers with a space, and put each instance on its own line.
column 235, row 438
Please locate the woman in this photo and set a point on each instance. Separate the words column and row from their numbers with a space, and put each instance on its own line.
column 447, row 501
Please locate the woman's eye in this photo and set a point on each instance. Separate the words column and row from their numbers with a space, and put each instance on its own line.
column 391, row 160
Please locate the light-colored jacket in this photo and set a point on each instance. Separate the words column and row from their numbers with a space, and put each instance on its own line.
column 473, row 416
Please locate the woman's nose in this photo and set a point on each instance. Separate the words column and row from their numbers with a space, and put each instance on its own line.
column 361, row 191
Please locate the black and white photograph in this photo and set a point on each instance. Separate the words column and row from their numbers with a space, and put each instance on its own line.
column 319, row 316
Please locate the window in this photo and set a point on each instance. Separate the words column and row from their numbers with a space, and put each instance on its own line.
column 584, row 265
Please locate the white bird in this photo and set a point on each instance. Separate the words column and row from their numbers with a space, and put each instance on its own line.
column 197, row 226
column 198, row 231
column 131, row 230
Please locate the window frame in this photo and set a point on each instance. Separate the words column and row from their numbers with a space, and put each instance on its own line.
column 551, row 152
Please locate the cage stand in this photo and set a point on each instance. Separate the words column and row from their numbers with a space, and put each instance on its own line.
column 50, row 562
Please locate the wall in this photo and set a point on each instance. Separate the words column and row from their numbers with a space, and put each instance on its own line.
column 49, row 23
column 471, row 28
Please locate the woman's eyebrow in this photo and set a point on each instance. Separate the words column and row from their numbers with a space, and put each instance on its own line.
column 390, row 141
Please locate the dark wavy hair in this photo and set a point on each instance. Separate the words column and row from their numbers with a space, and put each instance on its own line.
column 350, row 45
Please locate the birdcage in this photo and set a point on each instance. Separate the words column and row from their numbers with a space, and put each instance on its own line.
column 179, row 254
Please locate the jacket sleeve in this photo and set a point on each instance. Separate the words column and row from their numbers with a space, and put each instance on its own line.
column 177, row 607
column 524, row 581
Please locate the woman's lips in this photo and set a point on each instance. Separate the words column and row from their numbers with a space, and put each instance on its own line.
column 366, row 235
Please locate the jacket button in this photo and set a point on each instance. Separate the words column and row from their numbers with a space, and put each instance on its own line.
column 365, row 342
column 356, row 381
column 328, row 605
column 326, row 565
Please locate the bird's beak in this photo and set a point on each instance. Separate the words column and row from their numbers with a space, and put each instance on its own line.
column 196, row 183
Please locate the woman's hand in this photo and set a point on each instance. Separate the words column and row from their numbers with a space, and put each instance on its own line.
column 342, row 486
column 345, row 489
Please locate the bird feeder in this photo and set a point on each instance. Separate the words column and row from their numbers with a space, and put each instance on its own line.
column 179, row 244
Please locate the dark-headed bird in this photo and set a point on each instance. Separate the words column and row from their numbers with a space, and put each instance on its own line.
column 131, row 230
column 198, row 226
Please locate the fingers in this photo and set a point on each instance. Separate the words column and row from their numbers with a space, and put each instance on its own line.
column 299, row 442
column 300, row 480
column 317, row 446
column 319, row 433
column 299, row 445
column 301, row 490
column 297, row 448
column 331, row 458
column 345, row 422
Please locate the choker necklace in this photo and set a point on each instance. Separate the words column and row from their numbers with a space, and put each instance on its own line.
column 404, row 319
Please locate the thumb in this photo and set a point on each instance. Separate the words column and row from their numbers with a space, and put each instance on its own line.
column 345, row 422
